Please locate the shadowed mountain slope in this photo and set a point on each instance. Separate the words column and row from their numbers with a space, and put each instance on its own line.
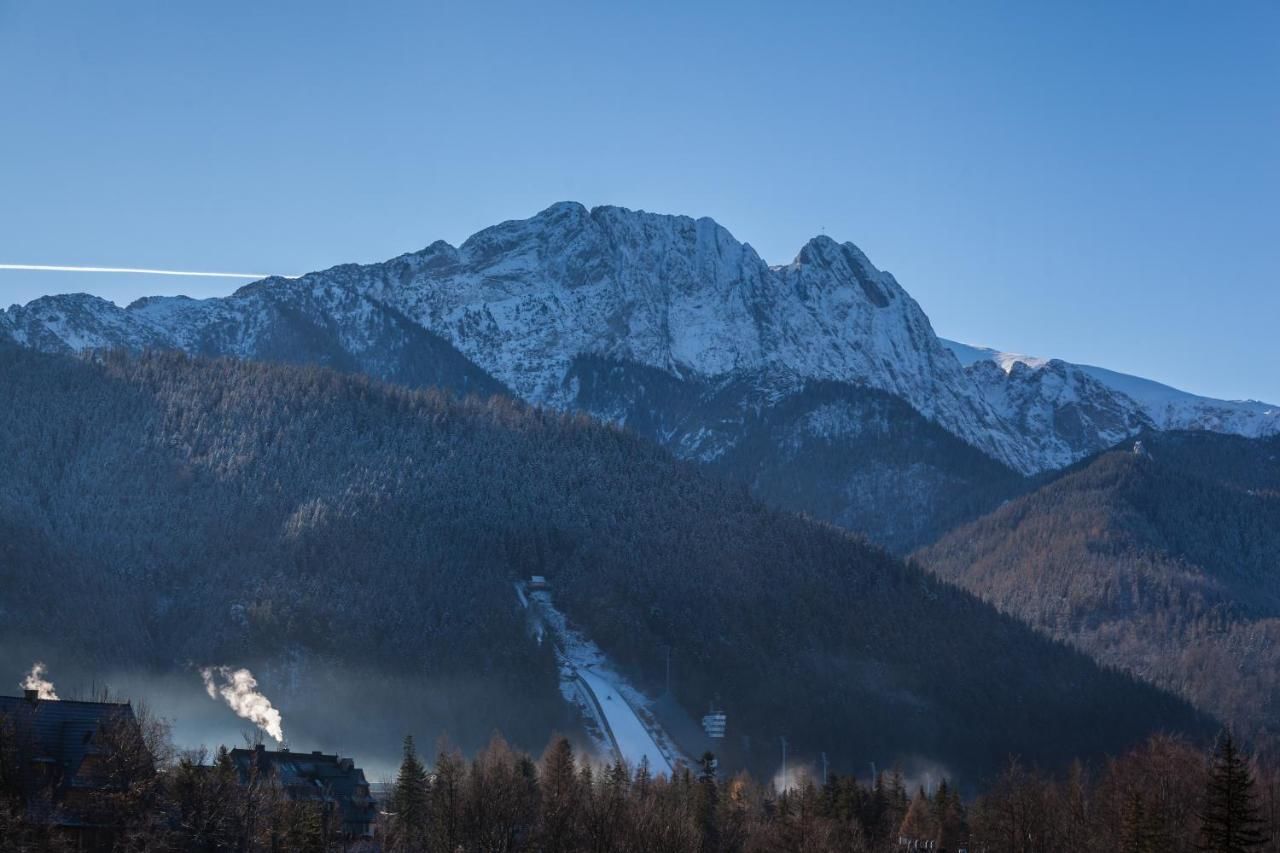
column 1164, row 560
column 165, row 510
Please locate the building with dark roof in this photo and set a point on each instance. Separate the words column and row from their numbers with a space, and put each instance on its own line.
column 54, row 752
column 333, row 783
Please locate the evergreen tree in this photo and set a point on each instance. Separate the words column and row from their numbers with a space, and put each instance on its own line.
column 1230, row 821
column 618, row 780
column 304, row 827
column 409, row 800
column 875, row 814
column 948, row 817
column 707, row 802
column 644, row 778
column 896, row 803
column 919, row 823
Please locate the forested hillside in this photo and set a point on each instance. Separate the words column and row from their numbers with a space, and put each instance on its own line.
column 851, row 455
column 168, row 510
column 1164, row 561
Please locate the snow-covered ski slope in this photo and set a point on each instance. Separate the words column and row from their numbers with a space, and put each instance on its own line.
column 627, row 728
column 630, row 735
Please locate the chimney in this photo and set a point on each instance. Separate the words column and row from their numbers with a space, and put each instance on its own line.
column 31, row 696
column 259, row 748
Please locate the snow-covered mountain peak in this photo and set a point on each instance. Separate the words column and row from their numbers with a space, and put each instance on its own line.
column 969, row 354
column 524, row 300
column 1049, row 396
column 439, row 249
column 846, row 264
column 683, row 295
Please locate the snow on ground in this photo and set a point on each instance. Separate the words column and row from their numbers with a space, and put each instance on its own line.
column 630, row 736
column 587, row 678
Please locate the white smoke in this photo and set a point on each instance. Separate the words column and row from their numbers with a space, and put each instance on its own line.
column 795, row 777
column 36, row 681
column 239, row 689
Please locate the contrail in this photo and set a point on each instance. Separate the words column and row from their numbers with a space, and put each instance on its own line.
column 49, row 268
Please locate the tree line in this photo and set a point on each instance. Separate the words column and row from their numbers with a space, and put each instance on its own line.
column 1164, row 796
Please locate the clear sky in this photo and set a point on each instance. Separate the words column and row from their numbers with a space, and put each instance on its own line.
column 1094, row 181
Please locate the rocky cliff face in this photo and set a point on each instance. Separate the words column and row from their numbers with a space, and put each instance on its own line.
column 1068, row 411
column 1062, row 412
column 524, row 299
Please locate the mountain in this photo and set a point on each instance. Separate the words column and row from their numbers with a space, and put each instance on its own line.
column 275, row 320
column 1070, row 411
column 1161, row 560
column 350, row 540
column 523, row 299
column 819, row 383
column 729, row 350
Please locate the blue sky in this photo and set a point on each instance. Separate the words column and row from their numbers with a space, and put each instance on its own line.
column 1095, row 181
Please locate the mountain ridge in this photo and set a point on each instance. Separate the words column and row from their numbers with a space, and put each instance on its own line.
column 1026, row 389
column 1159, row 559
column 522, row 298
column 516, row 304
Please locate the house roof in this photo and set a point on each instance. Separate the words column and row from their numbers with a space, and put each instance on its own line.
column 61, row 731
column 313, row 776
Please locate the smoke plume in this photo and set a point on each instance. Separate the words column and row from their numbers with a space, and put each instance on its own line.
column 797, row 776
column 36, row 681
column 239, row 689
